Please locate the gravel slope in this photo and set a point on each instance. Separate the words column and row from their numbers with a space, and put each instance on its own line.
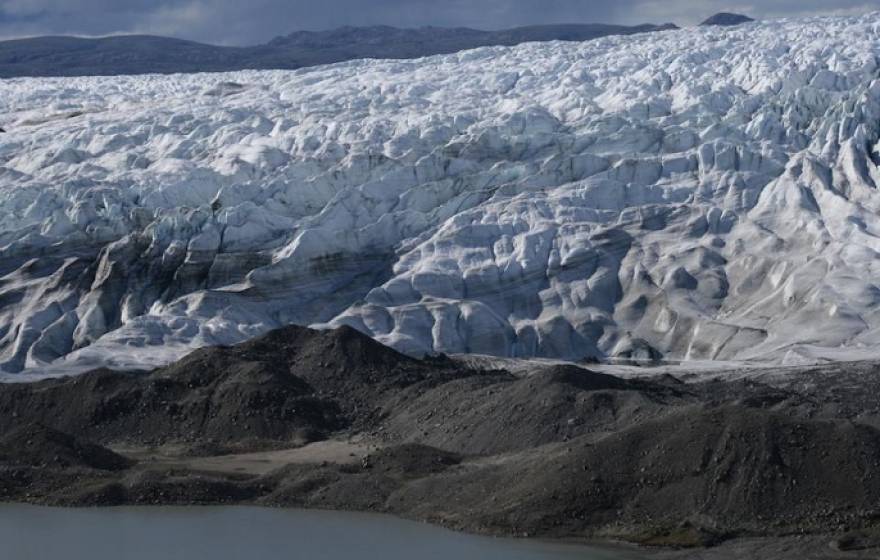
column 332, row 419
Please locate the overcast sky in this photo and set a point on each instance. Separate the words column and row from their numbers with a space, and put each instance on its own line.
column 241, row 22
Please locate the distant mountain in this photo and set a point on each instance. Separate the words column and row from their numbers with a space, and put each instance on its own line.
column 133, row 54
column 725, row 18
column 142, row 54
column 392, row 42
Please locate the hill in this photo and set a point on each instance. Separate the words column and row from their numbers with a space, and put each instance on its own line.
column 724, row 18
column 141, row 54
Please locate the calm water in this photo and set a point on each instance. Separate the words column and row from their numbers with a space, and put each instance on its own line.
column 31, row 533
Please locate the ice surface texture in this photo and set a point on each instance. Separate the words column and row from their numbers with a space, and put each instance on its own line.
column 698, row 194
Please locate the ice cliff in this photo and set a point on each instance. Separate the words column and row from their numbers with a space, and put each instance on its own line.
column 705, row 193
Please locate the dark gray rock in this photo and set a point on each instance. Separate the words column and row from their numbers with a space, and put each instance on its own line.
column 41, row 446
column 725, row 18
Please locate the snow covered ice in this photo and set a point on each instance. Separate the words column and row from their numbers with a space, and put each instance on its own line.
column 702, row 194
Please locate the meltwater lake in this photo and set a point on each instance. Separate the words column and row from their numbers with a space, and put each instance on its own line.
column 243, row 533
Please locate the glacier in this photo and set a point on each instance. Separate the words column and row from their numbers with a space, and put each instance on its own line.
column 699, row 194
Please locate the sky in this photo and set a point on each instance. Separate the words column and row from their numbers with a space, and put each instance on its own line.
column 248, row 22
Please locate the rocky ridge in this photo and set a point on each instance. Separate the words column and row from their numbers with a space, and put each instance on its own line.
column 561, row 451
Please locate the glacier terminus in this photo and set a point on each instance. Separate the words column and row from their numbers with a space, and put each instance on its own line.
column 695, row 194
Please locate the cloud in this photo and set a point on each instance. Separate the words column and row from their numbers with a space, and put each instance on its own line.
column 256, row 21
